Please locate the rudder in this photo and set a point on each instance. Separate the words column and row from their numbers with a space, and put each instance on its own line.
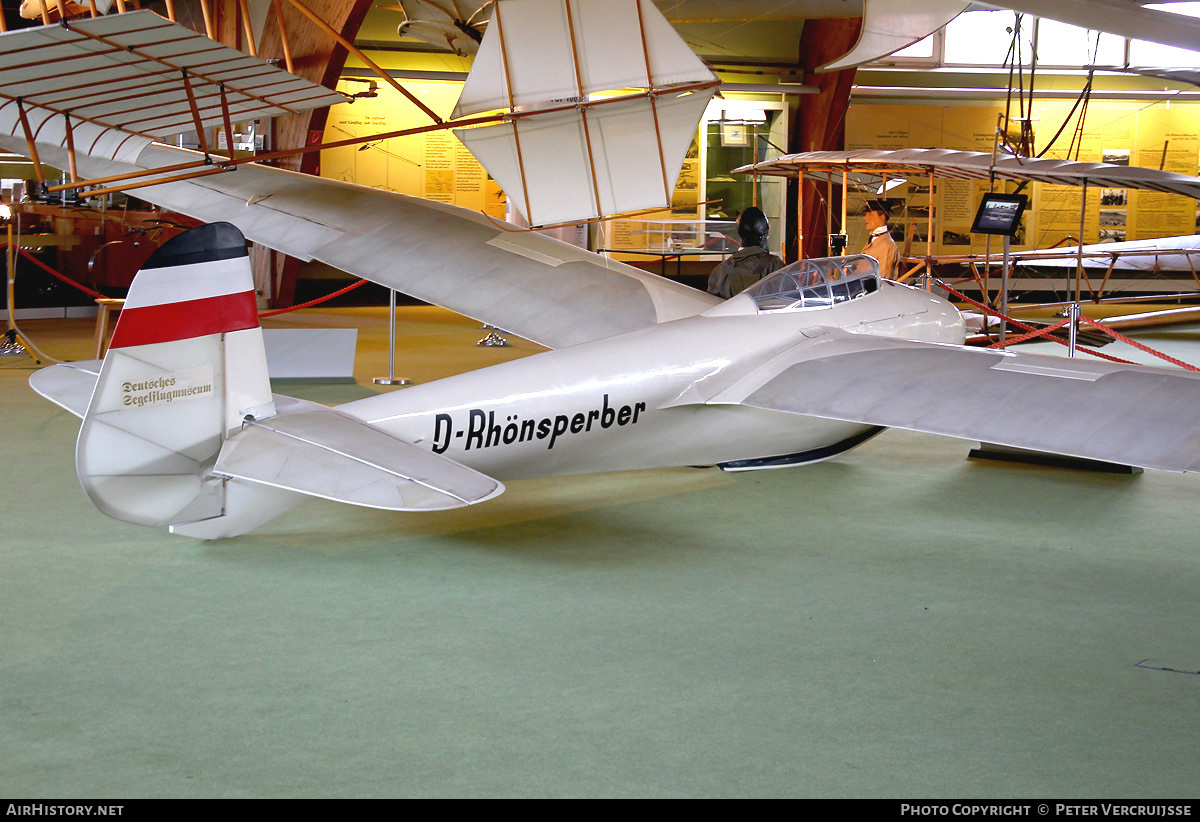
column 185, row 366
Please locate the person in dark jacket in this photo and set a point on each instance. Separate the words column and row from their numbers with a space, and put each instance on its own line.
column 748, row 264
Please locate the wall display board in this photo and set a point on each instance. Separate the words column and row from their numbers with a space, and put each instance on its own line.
column 1123, row 133
column 434, row 165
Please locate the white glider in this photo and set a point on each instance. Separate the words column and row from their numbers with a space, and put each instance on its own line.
column 180, row 428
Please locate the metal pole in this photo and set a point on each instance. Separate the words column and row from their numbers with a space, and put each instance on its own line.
column 929, row 238
column 1079, row 248
column 1073, row 312
column 391, row 379
column 10, row 345
column 1004, row 291
column 800, row 215
column 845, row 193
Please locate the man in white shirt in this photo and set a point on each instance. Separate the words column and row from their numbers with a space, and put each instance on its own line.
column 880, row 244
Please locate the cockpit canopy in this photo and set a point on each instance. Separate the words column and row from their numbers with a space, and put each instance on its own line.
column 818, row 283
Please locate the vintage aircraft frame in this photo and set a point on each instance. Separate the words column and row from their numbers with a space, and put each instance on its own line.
column 180, row 428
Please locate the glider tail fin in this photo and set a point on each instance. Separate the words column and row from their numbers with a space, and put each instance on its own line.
column 185, row 366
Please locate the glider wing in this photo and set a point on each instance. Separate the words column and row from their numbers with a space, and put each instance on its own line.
column 1137, row 415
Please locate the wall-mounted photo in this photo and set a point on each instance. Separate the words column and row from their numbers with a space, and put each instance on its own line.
column 735, row 134
column 1116, row 156
column 1112, row 216
column 1114, row 196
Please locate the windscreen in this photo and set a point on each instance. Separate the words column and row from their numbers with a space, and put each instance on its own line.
column 818, row 283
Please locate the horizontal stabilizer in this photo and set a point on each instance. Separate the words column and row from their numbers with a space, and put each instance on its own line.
column 324, row 453
column 68, row 384
column 1129, row 415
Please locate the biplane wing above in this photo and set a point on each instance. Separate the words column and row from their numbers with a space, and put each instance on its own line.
column 141, row 74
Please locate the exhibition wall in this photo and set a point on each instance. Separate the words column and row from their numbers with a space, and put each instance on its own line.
column 435, row 165
column 1157, row 135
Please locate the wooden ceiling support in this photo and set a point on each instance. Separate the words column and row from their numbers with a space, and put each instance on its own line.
column 31, row 143
column 307, row 52
column 348, row 45
column 820, row 123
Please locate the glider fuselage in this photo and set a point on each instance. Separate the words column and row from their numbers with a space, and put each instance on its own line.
column 648, row 398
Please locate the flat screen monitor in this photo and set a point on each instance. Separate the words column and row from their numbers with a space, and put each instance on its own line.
column 999, row 214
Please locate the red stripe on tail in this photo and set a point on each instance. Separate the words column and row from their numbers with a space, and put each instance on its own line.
column 169, row 322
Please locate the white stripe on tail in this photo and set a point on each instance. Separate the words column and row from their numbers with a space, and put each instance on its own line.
column 185, row 366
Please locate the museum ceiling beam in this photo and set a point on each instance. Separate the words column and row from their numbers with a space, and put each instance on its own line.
column 820, row 123
column 310, row 52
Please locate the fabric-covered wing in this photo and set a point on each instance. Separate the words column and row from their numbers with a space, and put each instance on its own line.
column 1132, row 415
column 888, row 27
column 524, row 282
column 68, row 384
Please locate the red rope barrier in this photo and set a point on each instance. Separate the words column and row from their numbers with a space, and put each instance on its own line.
column 98, row 295
column 1041, row 332
column 1117, row 335
column 54, row 273
column 317, row 301
column 1020, row 324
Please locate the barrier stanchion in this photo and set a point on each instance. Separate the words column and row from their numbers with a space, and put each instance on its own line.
column 1025, row 326
column 391, row 378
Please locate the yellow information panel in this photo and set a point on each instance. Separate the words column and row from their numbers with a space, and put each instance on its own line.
column 433, row 165
column 1125, row 133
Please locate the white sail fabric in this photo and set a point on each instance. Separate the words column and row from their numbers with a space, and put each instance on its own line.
column 555, row 166
column 529, row 56
column 130, row 70
column 570, row 152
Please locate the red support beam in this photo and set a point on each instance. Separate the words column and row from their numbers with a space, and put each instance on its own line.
column 821, row 121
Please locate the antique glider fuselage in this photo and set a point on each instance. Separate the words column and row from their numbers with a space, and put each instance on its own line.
column 646, row 398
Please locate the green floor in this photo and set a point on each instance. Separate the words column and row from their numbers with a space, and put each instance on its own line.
column 900, row 621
